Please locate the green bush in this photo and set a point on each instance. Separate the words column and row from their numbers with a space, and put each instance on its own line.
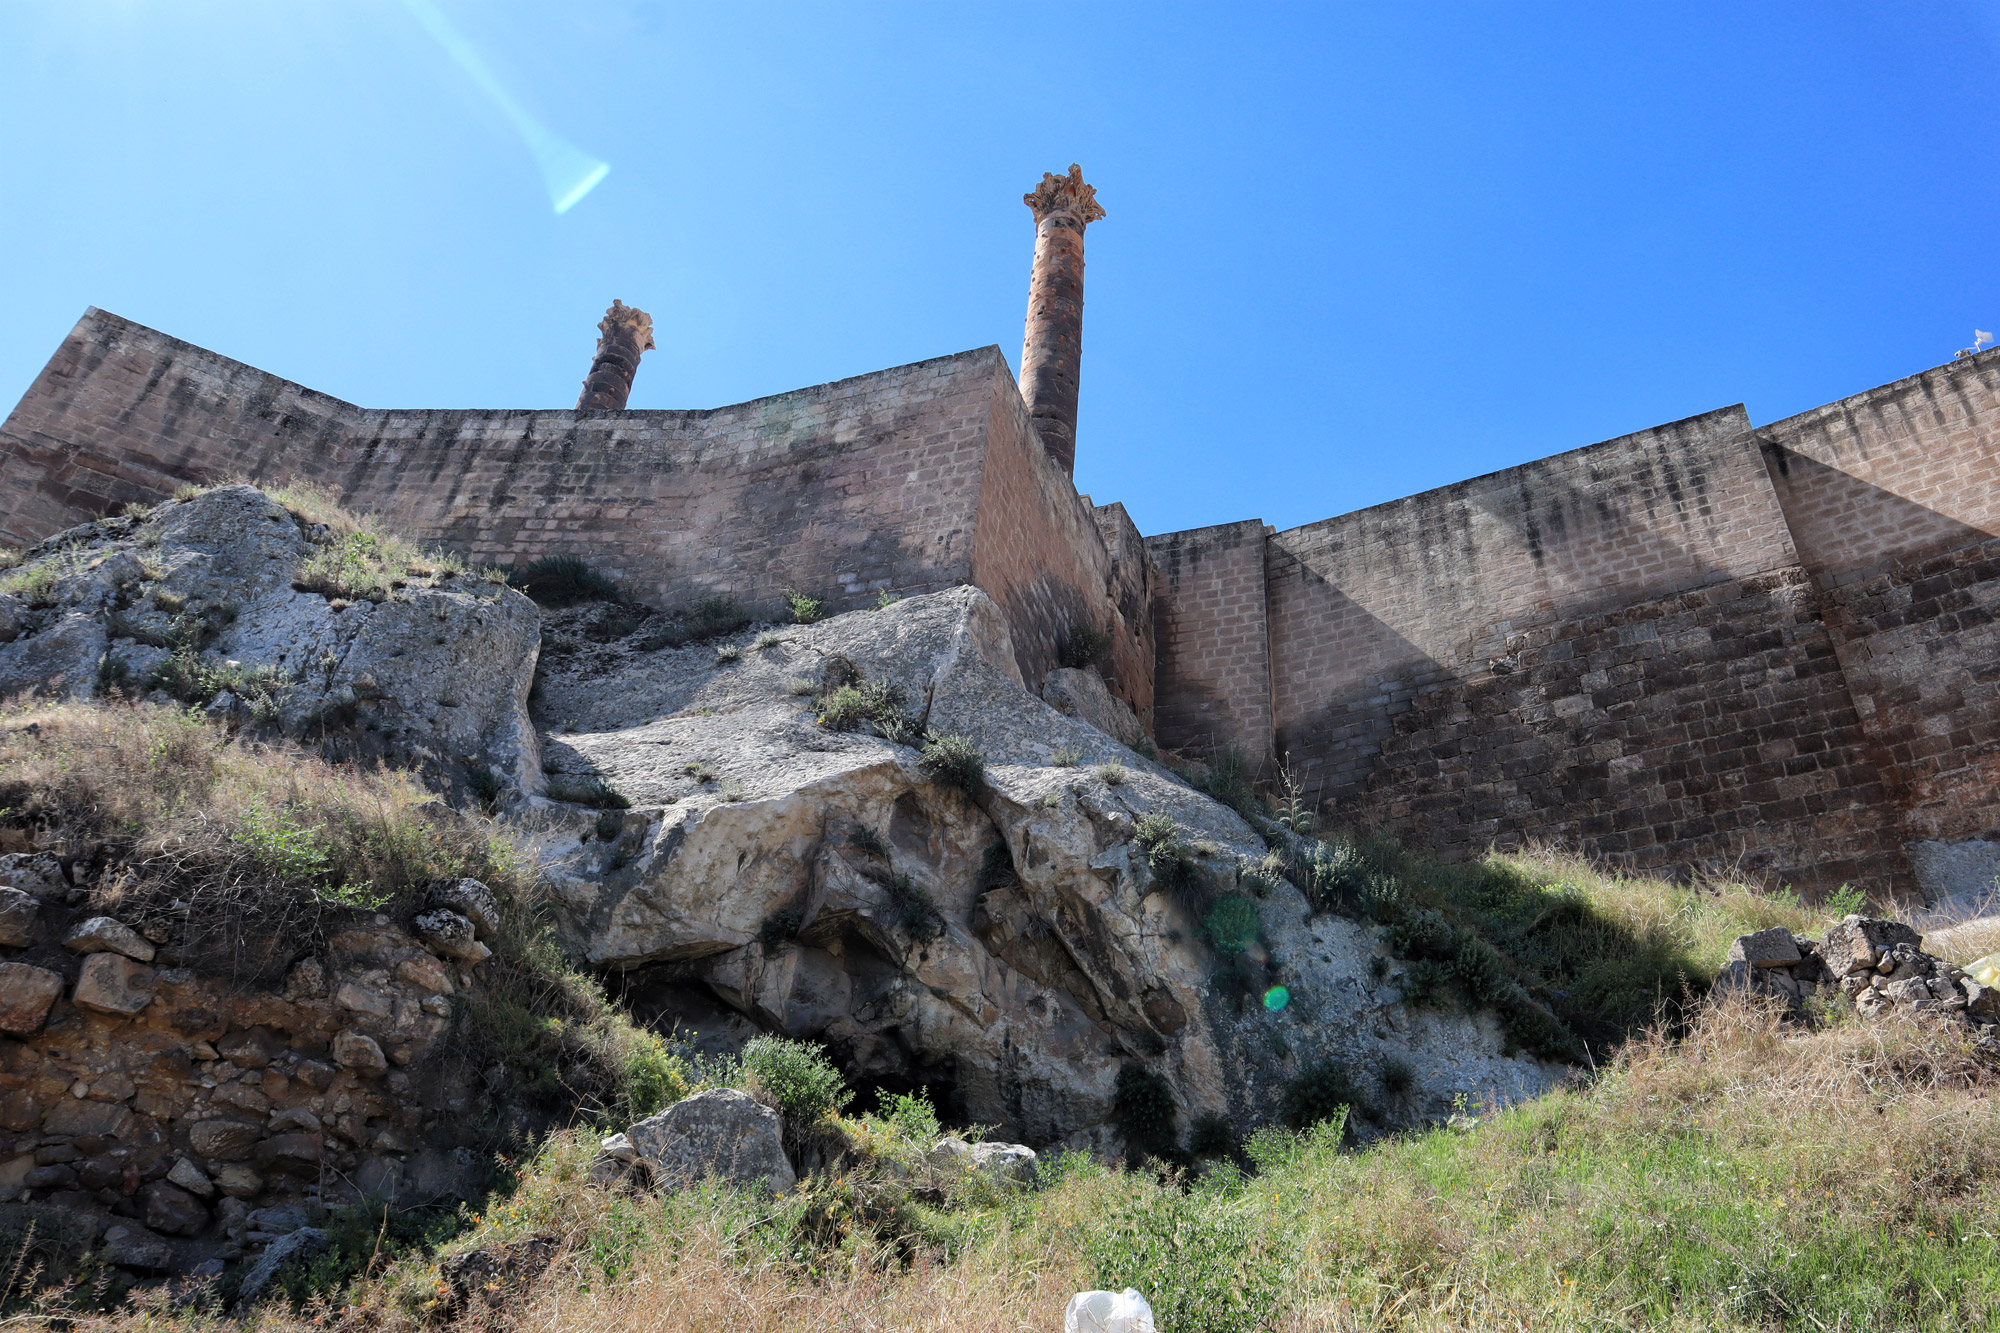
column 1233, row 924
column 1206, row 1262
column 954, row 761
column 1319, row 1094
column 913, row 1117
column 565, row 580
column 1142, row 1107
column 805, row 610
column 847, row 707
column 1160, row 840
column 795, row 1078
column 1212, row 1135
column 916, row 909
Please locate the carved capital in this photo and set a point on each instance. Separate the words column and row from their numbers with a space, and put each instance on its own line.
column 1065, row 196
column 624, row 326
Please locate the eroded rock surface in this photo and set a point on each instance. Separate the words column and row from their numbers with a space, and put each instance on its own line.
column 432, row 675
column 1013, row 947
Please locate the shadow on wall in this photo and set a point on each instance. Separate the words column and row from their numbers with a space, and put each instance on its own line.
column 1847, row 529
column 1618, row 534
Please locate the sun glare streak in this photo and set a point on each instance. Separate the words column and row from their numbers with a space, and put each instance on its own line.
column 568, row 172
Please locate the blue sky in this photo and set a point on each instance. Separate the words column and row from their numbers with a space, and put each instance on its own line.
column 1352, row 251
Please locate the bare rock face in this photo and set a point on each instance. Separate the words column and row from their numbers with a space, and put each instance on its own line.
column 1081, row 693
column 111, row 983
column 432, row 675
column 101, row 934
column 722, row 1134
column 26, row 992
column 18, row 911
column 1012, row 946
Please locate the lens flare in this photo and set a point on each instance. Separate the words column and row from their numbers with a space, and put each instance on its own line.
column 568, row 172
column 1277, row 998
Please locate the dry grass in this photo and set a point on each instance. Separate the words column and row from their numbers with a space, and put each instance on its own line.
column 358, row 557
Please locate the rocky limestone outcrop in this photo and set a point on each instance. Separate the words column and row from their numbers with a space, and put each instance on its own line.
column 1011, row 947
column 1873, row 965
column 435, row 673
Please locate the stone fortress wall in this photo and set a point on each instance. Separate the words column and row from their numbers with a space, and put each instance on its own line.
column 1705, row 646
column 908, row 480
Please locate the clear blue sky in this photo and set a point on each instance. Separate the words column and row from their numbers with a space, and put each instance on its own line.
column 1353, row 250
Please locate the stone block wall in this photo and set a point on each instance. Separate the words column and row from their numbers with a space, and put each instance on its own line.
column 1894, row 499
column 842, row 490
column 1707, row 730
column 1213, row 682
column 1041, row 552
column 1371, row 610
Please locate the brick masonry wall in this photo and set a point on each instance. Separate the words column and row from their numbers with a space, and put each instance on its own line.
column 1041, row 551
column 1372, row 610
column 1707, row 730
column 840, row 490
column 1213, row 682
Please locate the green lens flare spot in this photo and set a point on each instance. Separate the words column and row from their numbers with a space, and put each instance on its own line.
column 1277, row 998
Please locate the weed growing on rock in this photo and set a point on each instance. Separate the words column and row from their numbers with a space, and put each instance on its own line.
column 1083, row 645
column 193, row 679
column 587, row 789
column 847, row 707
column 1111, row 773
column 1233, row 924
column 916, row 909
column 565, row 580
column 1067, row 756
column 804, row 610
column 728, row 655
column 886, row 599
column 766, row 641
column 1396, row 1075
column 954, row 761
column 1211, row 1135
column 996, row 867
column 1159, row 838
column 779, row 927
column 865, row 839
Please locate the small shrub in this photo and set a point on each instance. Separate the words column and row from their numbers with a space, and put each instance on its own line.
column 913, row 1116
column 728, row 655
column 1067, row 756
column 586, row 789
column 609, row 825
column 1212, row 1135
column 1397, row 1076
column 780, row 926
column 805, row 610
column 996, row 867
column 1319, row 1094
column 1227, row 779
column 955, row 762
column 794, row 1078
column 1083, row 645
column 916, row 909
column 886, row 599
column 865, row 839
column 484, row 785
column 766, row 641
column 1233, row 924
column 719, row 614
column 801, row 686
column 189, row 491
column 114, row 674
column 1845, row 901
column 1142, row 1107
column 847, row 707
column 1160, row 840
column 1111, row 774
column 564, row 580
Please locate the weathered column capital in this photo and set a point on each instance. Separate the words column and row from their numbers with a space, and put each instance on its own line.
column 623, row 335
column 1065, row 197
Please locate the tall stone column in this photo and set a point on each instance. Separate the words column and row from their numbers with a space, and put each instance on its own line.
column 623, row 336
column 1052, row 347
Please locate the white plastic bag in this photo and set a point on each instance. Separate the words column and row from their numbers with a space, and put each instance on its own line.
column 1108, row 1312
